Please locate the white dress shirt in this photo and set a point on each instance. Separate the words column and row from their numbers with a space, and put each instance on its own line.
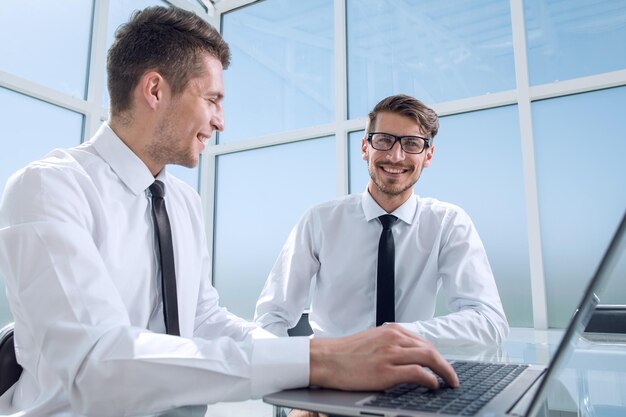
column 436, row 246
column 77, row 252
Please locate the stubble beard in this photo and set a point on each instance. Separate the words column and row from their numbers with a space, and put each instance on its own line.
column 390, row 190
column 166, row 147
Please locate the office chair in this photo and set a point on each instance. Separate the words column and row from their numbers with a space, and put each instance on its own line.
column 608, row 318
column 302, row 328
column 10, row 370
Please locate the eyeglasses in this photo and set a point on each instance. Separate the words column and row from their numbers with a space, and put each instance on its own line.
column 410, row 144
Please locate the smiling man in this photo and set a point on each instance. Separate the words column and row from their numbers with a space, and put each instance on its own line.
column 383, row 255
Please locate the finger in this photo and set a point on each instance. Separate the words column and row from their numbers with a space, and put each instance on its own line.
column 302, row 413
column 415, row 374
column 429, row 358
column 443, row 368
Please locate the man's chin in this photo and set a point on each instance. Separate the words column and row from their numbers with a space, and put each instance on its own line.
column 392, row 191
column 190, row 162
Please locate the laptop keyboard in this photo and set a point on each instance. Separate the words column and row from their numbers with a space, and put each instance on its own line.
column 479, row 383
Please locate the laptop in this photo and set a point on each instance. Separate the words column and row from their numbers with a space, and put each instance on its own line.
column 516, row 390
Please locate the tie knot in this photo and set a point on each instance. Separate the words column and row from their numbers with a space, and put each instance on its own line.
column 387, row 220
column 157, row 189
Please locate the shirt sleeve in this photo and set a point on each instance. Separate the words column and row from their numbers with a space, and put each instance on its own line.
column 77, row 328
column 476, row 315
column 286, row 290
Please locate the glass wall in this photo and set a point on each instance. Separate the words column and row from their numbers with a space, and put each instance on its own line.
column 436, row 51
column 580, row 148
column 261, row 194
column 574, row 38
column 501, row 163
column 298, row 65
column 61, row 60
column 281, row 77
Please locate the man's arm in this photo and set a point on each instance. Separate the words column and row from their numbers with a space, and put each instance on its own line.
column 74, row 325
column 286, row 290
column 477, row 316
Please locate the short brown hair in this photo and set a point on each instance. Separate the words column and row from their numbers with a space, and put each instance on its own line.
column 409, row 107
column 169, row 40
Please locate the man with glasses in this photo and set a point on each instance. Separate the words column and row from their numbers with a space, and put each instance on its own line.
column 364, row 278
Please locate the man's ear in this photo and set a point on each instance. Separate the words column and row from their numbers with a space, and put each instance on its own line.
column 152, row 87
column 429, row 155
column 364, row 148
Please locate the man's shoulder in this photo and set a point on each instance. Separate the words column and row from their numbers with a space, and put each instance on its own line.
column 58, row 178
column 58, row 162
column 433, row 206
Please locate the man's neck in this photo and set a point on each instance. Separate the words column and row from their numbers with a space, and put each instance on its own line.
column 388, row 202
column 135, row 138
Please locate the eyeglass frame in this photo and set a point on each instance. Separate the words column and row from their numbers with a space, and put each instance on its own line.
column 398, row 139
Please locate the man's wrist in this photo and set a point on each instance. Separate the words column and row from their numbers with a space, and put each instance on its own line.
column 319, row 357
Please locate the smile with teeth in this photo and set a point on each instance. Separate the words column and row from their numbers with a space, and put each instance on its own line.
column 393, row 170
column 202, row 139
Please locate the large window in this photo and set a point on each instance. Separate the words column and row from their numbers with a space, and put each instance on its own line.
column 574, row 38
column 261, row 194
column 281, row 77
column 59, row 61
column 437, row 51
column 580, row 147
column 502, row 74
column 529, row 93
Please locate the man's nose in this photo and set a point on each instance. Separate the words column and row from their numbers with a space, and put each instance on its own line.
column 217, row 121
column 396, row 153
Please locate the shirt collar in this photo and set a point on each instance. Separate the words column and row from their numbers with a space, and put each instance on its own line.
column 371, row 209
column 123, row 161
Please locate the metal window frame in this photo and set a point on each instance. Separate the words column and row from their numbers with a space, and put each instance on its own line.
column 522, row 96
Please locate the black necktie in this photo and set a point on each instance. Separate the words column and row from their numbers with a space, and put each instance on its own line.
column 166, row 250
column 385, row 282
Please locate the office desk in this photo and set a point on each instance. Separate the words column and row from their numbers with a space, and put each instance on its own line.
column 593, row 384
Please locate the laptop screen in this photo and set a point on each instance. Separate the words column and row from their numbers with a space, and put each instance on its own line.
column 612, row 261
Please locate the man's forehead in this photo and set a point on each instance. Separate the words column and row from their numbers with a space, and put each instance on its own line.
column 398, row 122
column 209, row 81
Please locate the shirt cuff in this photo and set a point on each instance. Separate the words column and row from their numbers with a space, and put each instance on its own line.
column 279, row 363
column 277, row 329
